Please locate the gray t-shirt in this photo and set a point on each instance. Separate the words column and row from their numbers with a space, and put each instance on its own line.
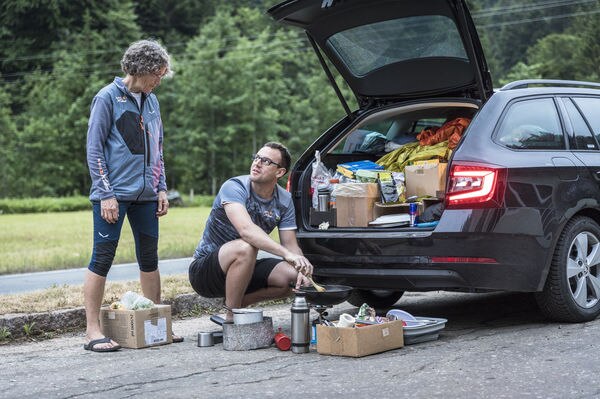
column 266, row 214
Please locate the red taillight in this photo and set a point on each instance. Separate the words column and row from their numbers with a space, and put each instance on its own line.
column 288, row 185
column 461, row 259
column 474, row 186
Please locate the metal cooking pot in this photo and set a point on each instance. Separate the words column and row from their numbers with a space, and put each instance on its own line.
column 247, row 316
column 333, row 294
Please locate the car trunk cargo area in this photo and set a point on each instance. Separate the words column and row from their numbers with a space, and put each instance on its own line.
column 387, row 171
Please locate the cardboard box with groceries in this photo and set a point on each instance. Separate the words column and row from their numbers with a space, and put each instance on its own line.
column 425, row 179
column 359, row 341
column 354, row 203
column 137, row 328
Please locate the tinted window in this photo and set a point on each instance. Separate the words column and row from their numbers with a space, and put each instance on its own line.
column 591, row 110
column 531, row 124
column 387, row 135
column 370, row 138
column 583, row 136
column 368, row 47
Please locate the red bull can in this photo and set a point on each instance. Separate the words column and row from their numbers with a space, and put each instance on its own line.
column 412, row 211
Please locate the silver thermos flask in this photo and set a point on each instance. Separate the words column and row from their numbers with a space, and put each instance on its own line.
column 323, row 197
column 300, row 325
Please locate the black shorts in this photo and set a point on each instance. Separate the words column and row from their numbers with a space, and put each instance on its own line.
column 207, row 277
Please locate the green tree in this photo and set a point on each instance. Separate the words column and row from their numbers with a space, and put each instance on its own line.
column 52, row 127
column 588, row 29
column 557, row 56
column 241, row 82
column 7, row 140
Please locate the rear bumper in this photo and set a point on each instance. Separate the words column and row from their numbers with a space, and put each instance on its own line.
column 411, row 263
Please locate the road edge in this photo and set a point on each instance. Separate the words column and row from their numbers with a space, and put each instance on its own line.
column 20, row 325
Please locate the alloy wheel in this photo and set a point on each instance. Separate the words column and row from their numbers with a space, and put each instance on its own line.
column 583, row 269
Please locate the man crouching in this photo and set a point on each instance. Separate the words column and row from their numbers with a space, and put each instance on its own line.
column 244, row 212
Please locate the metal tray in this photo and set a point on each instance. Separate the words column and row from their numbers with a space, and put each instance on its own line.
column 427, row 332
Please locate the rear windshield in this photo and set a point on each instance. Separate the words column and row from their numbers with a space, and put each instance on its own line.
column 368, row 47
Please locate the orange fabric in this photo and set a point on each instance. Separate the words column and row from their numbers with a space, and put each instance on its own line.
column 451, row 131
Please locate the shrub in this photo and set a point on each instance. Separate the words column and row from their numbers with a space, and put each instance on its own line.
column 69, row 204
column 44, row 204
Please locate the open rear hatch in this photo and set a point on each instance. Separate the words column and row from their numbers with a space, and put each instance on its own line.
column 392, row 50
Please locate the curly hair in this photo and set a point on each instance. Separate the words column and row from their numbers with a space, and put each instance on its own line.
column 144, row 57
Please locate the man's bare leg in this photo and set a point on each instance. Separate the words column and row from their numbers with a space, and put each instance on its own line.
column 237, row 259
column 278, row 285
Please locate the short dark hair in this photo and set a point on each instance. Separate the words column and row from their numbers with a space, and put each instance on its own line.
column 286, row 158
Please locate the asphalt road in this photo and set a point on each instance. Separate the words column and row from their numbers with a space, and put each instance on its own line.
column 25, row 282
column 494, row 346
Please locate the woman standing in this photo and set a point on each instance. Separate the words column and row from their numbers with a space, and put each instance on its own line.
column 124, row 155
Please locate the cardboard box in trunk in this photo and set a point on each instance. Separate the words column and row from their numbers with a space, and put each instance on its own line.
column 359, row 341
column 426, row 179
column 354, row 203
column 137, row 328
column 389, row 209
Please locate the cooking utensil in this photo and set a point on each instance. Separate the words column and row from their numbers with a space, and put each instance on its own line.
column 205, row 339
column 247, row 316
column 317, row 286
column 217, row 319
column 333, row 294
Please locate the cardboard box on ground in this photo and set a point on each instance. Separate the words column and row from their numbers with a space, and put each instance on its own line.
column 354, row 203
column 425, row 179
column 137, row 328
column 359, row 341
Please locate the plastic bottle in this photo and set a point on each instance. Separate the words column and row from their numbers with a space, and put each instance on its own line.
column 332, row 183
column 313, row 332
column 300, row 324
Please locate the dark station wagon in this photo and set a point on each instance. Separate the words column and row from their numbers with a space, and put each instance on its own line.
column 521, row 204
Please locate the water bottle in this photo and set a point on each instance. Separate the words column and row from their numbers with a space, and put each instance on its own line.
column 300, row 324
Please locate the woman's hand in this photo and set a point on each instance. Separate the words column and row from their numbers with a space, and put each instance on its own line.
column 109, row 210
column 163, row 204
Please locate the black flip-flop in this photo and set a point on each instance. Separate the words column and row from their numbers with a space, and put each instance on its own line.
column 90, row 346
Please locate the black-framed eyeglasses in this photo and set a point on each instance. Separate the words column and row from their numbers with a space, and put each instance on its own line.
column 265, row 161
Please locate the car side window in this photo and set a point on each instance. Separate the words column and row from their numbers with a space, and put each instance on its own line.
column 531, row 125
column 591, row 111
column 584, row 140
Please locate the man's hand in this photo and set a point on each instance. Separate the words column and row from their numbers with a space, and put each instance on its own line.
column 163, row 204
column 109, row 210
column 302, row 281
column 300, row 263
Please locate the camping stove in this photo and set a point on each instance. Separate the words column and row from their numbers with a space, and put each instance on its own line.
column 322, row 311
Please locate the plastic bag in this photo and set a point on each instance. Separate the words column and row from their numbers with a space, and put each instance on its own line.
column 320, row 175
column 132, row 301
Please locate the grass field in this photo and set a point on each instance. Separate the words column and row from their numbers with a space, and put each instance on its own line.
column 62, row 240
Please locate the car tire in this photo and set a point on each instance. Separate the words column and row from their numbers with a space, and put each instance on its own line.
column 572, row 289
column 379, row 299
